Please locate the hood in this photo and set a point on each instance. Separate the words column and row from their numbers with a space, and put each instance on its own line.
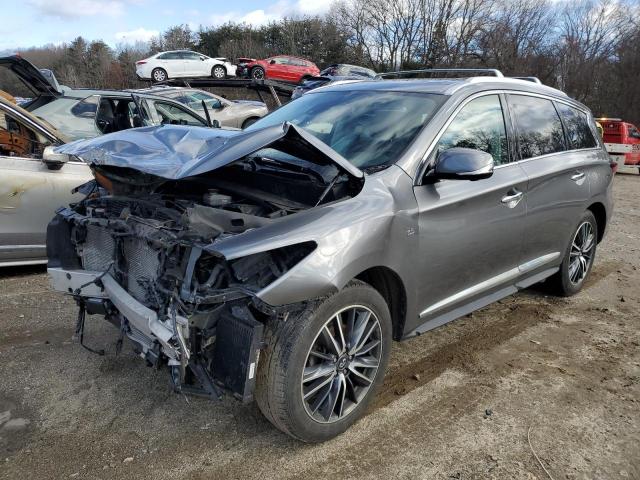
column 29, row 75
column 174, row 151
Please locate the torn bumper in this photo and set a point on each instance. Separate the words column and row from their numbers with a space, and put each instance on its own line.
column 145, row 325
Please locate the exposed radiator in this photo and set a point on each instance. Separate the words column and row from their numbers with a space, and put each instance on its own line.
column 98, row 250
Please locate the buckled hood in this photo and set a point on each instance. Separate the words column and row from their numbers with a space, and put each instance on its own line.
column 174, row 152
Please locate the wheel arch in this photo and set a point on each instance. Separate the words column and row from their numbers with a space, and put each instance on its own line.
column 600, row 212
column 389, row 284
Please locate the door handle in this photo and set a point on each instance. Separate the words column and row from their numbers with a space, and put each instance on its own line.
column 512, row 199
column 577, row 176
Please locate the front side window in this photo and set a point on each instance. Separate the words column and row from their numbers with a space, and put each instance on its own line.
column 576, row 123
column 174, row 115
column 368, row 128
column 479, row 125
column 19, row 140
column 538, row 126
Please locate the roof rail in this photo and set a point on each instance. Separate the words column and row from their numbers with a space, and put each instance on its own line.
column 529, row 79
column 402, row 73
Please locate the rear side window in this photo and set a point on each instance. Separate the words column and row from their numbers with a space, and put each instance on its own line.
column 169, row 56
column 576, row 123
column 479, row 125
column 538, row 126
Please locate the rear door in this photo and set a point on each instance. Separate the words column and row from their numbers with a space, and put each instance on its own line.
column 471, row 233
column 172, row 63
column 30, row 192
column 558, row 167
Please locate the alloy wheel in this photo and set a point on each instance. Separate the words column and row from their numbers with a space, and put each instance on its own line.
column 159, row 75
column 581, row 254
column 219, row 72
column 341, row 364
column 258, row 74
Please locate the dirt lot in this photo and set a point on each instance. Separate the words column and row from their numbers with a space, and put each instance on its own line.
column 457, row 402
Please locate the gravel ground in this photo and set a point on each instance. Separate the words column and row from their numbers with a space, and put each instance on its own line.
column 472, row 399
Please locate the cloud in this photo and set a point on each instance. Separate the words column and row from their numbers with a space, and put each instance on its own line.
column 273, row 12
column 78, row 8
column 137, row 35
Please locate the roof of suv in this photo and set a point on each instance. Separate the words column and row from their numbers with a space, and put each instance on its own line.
column 446, row 86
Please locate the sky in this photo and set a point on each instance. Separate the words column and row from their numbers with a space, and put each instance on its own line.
column 40, row 22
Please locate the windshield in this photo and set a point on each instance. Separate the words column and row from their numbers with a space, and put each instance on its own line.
column 368, row 128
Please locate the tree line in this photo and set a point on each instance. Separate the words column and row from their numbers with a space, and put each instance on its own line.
column 588, row 48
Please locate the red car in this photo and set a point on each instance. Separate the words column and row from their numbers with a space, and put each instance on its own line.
column 281, row 67
column 617, row 131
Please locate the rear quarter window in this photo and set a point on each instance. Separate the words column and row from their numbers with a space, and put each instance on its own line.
column 538, row 126
column 576, row 124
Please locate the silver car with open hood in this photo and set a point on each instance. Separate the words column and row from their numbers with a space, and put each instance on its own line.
column 279, row 263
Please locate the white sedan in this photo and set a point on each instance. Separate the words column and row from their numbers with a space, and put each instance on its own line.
column 183, row 63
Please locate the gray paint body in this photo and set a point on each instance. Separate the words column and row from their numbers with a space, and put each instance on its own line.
column 455, row 245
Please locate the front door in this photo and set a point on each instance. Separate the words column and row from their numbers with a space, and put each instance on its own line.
column 30, row 193
column 470, row 232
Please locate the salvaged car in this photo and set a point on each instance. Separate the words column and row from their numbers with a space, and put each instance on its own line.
column 229, row 113
column 337, row 72
column 34, row 184
column 279, row 263
column 181, row 64
column 86, row 113
column 281, row 67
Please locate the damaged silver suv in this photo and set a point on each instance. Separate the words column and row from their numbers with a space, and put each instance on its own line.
column 280, row 262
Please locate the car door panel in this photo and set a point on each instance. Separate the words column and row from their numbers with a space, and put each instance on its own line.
column 470, row 238
column 30, row 193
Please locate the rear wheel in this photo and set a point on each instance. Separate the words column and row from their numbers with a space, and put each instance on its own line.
column 322, row 367
column 159, row 75
column 219, row 72
column 578, row 258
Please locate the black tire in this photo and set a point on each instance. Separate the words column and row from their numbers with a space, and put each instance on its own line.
column 159, row 75
column 219, row 72
column 280, row 383
column 257, row 73
column 564, row 282
column 249, row 121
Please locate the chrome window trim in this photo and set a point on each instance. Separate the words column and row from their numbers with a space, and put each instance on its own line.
column 423, row 162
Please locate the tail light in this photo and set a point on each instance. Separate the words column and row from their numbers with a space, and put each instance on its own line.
column 141, row 62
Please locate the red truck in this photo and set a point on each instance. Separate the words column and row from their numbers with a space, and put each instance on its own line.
column 623, row 133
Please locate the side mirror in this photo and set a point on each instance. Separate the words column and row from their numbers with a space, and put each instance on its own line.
column 203, row 58
column 215, row 124
column 53, row 160
column 463, row 164
column 272, row 62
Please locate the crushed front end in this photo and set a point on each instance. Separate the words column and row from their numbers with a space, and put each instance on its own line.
column 140, row 249
column 147, row 266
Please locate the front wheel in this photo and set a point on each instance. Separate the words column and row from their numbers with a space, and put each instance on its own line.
column 257, row 73
column 323, row 366
column 578, row 258
column 219, row 72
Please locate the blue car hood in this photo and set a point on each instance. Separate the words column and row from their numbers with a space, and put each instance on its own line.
column 175, row 151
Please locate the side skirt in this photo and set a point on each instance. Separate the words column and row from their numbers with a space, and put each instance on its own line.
column 479, row 303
